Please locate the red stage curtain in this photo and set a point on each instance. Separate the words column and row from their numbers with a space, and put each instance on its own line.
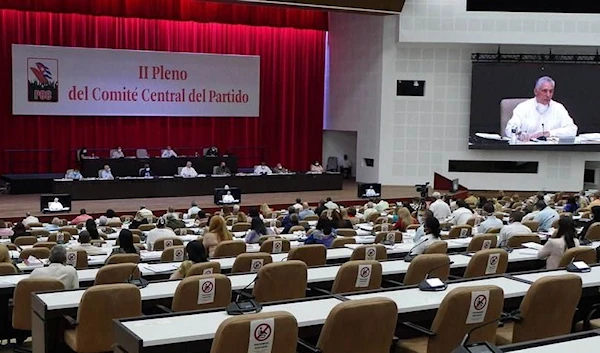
column 186, row 10
column 289, row 129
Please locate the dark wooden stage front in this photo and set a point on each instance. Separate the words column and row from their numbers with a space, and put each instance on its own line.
column 14, row 206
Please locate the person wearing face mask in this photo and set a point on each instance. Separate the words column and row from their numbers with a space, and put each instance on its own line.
column 541, row 117
column 118, row 153
column 514, row 227
column 420, row 232
column 316, row 167
column 146, row 172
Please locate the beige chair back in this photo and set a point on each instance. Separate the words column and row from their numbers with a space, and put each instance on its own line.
column 396, row 236
column 369, row 252
column 360, row 275
column 39, row 233
column 25, row 240
column 240, row 227
column 585, row 254
column 482, row 242
column 7, row 268
column 173, row 254
column 44, row 244
column 123, row 258
column 423, row 266
column 506, row 111
column 340, row 242
column 233, row 334
column 116, row 273
column 204, row 268
column 251, row 262
column 21, row 315
column 533, row 225
column 518, row 240
column 346, row 232
column 281, row 281
column 437, row 247
column 136, row 239
column 229, row 248
column 162, row 243
column 360, row 326
column 487, row 262
column 593, row 232
column 311, row 255
column 146, row 227
column 275, row 246
column 70, row 230
column 66, row 237
column 202, row 292
column 462, row 231
column 40, row 253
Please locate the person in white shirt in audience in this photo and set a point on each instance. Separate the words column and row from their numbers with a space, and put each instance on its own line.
column 544, row 215
column 106, row 173
column 188, row 171
column 564, row 239
column 168, row 153
column 84, row 244
column 369, row 210
column 146, row 213
column 55, row 205
column 161, row 231
column 381, row 205
column 262, row 169
column 118, row 153
column 298, row 205
column 58, row 269
column 73, row 174
column 30, row 219
column 193, row 210
column 420, row 232
column 462, row 214
column 491, row 221
column 514, row 227
column 439, row 208
column 432, row 234
column 331, row 205
column 316, row 167
column 171, row 212
column 306, row 211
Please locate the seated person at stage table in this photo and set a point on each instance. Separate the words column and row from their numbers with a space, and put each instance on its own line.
column 217, row 232
column 491, row 221
column 316, row 167
column 563, row 239
column 544, row 215
column 196, row 254
column 262, row 169
column 161, row 231
column 279, row 169
column 126, row 243
column 106, row 173
column 146, row 172
column 73, row 174
column 514, row 227
column 168, row 153
column 84, row 244
column 541, row 116
column 55, row 205
column 211, row 152
column 223, row 169
column 118, row 153
column 188, row 171
column 82, row 217
column 58, row 269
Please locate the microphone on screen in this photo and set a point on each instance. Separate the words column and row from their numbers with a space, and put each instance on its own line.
column 543, row 137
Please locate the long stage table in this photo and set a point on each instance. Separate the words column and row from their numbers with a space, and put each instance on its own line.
column 160, row 166
column 123, row 188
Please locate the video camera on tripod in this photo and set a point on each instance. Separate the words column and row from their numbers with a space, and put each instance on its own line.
column 423, row 189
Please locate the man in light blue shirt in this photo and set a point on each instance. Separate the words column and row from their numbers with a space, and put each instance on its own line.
column 306, row 211
column 545, row 217
column 421, row 230
column 491, row 221
column 73, row 174
column 106, row 173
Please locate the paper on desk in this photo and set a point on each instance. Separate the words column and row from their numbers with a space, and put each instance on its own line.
column 490, row 136
column 532, row 245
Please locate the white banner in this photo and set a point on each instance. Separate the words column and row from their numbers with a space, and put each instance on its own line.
column 80, row 81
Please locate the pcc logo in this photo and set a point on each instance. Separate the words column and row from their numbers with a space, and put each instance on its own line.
column 42, row 80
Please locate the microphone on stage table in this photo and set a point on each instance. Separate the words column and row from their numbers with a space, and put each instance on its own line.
column 242, row 306
column 427, row 286
column 483, row 347
column 543, row 137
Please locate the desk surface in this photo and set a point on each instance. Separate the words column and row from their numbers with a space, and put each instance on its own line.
column 583, row 345
column 198, row 327
column 589, row 279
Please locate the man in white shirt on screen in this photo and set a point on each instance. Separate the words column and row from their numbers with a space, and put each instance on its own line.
column 106, row 173
column 188, row 171
column 541, row 117
column 55, row 205
column 262, row 169
column 228, row 198
column 439, row 208
column 168, row 153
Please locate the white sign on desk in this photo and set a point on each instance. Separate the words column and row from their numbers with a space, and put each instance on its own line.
column 478, row 307
column 206, row 291
column 261, row 336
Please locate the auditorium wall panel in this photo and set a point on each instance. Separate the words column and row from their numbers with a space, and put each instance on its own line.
column 289, row 129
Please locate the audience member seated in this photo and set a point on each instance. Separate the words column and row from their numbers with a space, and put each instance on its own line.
column 595, row 218
column 514, row 227
column 544, row 215
column 126, row 243
column 55, row 205
column 420, row 231
column 217, row 232
column 472, row 200
column 58, row 222
column 293, row 221
column 73, row 174
column 5, row 256
column 58, row 269
column 262, row 169
column 491, row 221
column 298, row 204
column 404, row 219
column 170, row 212
column 462, row 214
column 161, row 231
column 5, row 232
column 19, row 230
column 306, row 211
column 432, row 234
column 102, row 221
column 338, row 221
column 196, row 253
column 168, row 153
column 146, row 171
column 138, row 220
column 90, row 227
column 146, row 213
column 561, row 241
column 316, row 167
column 253, row 212
column 571, row 205
column 30, row 219
column 265, row 210
column 352, row 216
column 257, row 230
column 370, row 210
column 320, row 208
column 173, row 222
column 286, row 220
column 223, row 169
column 188, row 171
column 322, row 234
column 193, row 210
column 279, row 169
column 439, row 208
column 118, row 153
column 330, row 205
column 84, row 244
column 200, row 218
column 112, row 216
column 381, row 205
column 82, row 218
column 106, row 174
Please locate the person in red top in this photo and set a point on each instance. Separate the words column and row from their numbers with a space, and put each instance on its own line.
column 83, row 216
column 404, row 219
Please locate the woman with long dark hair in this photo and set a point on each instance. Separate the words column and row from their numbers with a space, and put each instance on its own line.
column 126, row 243
column 196, row 253
column 257, row 230
column 562, row 240
column 91, row 228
